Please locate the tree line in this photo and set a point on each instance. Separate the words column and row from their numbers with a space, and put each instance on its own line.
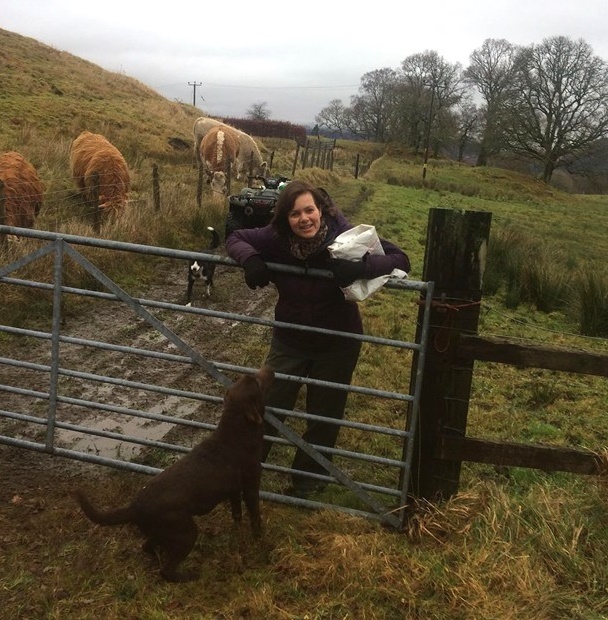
column 545, row 102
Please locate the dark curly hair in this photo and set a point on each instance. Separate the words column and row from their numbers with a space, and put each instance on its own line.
column 288, row 197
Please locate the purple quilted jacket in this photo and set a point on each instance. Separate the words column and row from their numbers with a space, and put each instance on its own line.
column 304, row 300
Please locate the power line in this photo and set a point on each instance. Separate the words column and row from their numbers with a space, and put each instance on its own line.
column 285, row 87
column 267, row 87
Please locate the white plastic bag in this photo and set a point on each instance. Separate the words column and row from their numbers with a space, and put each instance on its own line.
column 353, row 244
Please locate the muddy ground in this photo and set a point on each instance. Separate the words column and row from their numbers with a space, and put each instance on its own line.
column 216, row 339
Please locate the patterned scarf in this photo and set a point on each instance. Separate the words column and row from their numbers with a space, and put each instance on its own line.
column 303, row 248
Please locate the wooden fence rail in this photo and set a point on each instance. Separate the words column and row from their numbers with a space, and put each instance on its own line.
column 455, row 260
column 505, row 351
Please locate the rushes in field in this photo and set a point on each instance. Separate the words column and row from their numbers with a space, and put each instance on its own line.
column 591, row 303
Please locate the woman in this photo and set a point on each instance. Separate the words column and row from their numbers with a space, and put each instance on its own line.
column 305, row 223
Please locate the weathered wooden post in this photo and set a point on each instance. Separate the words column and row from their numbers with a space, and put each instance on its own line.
column 454, row 260
column 305, row 155
column 316, row 155
column 323, row 159
column 155, row 187
column 357, row 159
column 295, row 159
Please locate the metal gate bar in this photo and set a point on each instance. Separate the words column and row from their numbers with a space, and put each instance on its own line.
column 60, row 247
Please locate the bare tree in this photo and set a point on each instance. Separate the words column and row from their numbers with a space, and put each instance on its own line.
column 258, row 111
column 371, row 109
column 467, row 125
column 430, row 88
column 561, row 104
column 492, row 71
column 332, row 117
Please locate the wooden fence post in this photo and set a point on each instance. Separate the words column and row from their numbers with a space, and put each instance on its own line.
column 305, row 155
column 155, row 187
column 454, row 260
column 295, row 159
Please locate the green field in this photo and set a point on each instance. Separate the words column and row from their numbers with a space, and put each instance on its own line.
column 513, row 544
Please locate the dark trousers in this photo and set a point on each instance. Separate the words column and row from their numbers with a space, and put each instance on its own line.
column 336, row 365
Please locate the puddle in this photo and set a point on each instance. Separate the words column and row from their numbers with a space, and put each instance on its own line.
column 131, row 426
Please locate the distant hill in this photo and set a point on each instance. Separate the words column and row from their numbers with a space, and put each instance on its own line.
column 50, row 94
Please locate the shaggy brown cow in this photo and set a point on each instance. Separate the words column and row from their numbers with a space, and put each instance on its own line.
column 219, row 148
column 22, row 190
column 92, row 154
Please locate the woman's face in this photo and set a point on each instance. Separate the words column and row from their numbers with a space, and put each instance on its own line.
column 305, row 217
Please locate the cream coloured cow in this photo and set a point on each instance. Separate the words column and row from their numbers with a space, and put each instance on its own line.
column 249, row 153
column 249, row 158
column 219, row 149
column 202, row 125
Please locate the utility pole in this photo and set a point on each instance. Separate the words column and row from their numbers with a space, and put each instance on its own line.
column 194, row 85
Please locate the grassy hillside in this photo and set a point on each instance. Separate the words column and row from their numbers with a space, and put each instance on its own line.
column 48, row 94
column 519, row 544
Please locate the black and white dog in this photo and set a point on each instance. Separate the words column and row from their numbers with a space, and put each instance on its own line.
column 202, row 270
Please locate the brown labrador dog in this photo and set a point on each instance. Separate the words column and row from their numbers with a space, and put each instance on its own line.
column 226, row 465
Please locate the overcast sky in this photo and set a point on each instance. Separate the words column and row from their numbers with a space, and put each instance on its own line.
column 296, row 57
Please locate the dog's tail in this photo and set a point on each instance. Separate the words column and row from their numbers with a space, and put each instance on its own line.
column 215, row 238
column 111, row 517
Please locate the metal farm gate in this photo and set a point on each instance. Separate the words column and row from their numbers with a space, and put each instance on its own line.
column 54, row 404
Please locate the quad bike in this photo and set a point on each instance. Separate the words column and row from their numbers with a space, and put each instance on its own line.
column 253, row 208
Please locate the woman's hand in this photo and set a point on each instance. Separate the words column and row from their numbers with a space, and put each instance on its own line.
column 256, row 272
column 346, row 271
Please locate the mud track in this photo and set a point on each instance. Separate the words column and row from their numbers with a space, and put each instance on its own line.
column 216, row 339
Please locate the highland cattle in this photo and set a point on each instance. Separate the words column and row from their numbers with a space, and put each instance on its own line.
column 100, row 173
column 21, row 191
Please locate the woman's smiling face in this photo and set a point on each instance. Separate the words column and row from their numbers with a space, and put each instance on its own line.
column 305, row 217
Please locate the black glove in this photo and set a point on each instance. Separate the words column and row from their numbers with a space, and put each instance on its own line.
column 346, row 271
column 256, row 272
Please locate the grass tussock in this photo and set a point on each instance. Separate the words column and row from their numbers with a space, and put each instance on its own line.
column 527, row 270
column 591, row 302
column 497, row 551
